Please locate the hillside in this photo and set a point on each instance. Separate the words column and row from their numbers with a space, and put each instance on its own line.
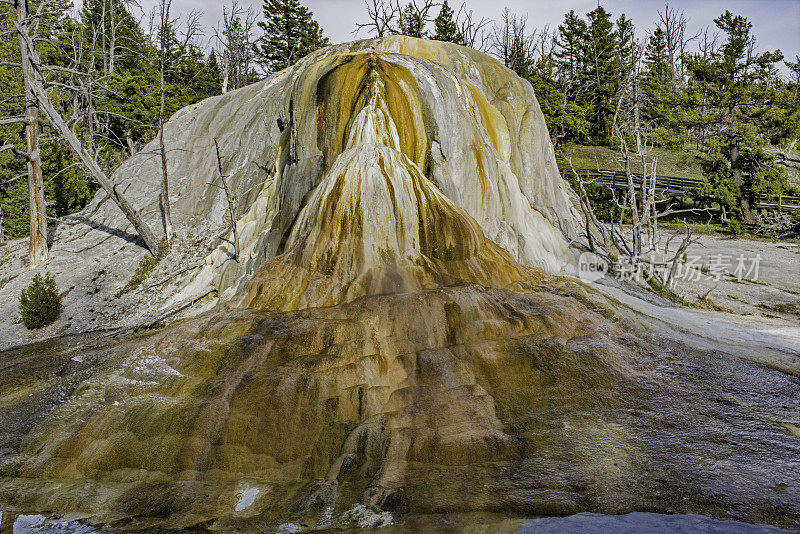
column 671, row 162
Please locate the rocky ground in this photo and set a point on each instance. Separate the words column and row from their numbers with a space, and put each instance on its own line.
column 747, row 277
column 100, row 295
column 771, row 292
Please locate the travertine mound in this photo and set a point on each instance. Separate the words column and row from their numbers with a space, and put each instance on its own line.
column 405, row 137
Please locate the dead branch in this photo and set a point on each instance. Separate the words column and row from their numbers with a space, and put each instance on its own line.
column 232, row 211
column 14, row 150
column 174, row 274
column 382, row 16
column 471, row 29
column 74, row 145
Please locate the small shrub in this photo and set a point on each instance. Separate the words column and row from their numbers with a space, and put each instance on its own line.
column 667, row 293
column 40, row 302
column 735, row 227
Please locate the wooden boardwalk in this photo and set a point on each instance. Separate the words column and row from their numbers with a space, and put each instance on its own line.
column 673, row 186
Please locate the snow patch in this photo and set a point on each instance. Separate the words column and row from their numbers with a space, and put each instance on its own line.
column 246, row 498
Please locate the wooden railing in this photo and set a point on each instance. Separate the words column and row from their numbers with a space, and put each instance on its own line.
column 671, row 185
column 675, row 186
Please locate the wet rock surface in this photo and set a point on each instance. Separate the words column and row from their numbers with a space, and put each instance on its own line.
column 455, row 400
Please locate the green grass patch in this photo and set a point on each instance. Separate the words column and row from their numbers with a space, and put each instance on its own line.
column 145, row 267
column 683, row 163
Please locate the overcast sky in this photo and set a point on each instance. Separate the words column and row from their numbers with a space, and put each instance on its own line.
column 776, row 23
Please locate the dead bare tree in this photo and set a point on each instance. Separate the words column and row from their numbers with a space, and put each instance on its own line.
column 674, row 23
column 635, row 234
column 193, row 28
column 32, row 70
column 630, row 92
column 389, row 17
column 232, row 211
column 510, row 42
column 165, row 27
column 237, row 40
column 471, row 29
column 382, row 16
column 610, row 241
column 37, row 244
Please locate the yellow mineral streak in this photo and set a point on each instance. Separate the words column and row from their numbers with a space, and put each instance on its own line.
column 472, row 179
column 375, row 224
column 493, row 122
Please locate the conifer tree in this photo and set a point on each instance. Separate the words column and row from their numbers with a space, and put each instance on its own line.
column 603, row 73
column 291, row 33
column 570, row 53
column 446, row 27
column 213, row 66
column 412, row 22
column 735, row 80
column 664, row 109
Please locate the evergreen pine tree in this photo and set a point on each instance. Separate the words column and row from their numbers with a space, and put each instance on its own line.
column 603, row 73
column 570, row 53
column 411, row 22
column 291, row 33
column 213, row 65
column 782, row 123
column 210, row 83
column 446, row 27
column 626, row 44
column 664, row 104
column 736, row 85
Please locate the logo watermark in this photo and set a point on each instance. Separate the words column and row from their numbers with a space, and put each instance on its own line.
column 690, row 268
column 591, row 267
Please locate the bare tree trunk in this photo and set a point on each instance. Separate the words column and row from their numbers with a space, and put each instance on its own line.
column 225, row 76
column 37, row 247
column 637, row 118
column 232, row 211
column 744, row 201
column 636, row 249
column 112, row 45
column 654, row 207
column 166, row 216
column 68, row 137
